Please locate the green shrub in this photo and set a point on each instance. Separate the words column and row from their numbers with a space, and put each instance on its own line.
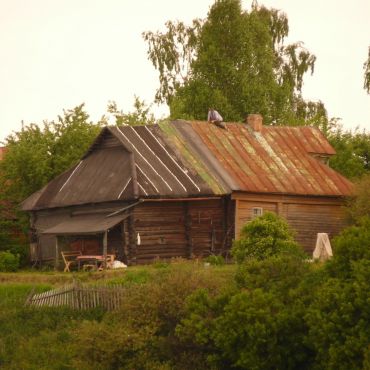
column 359, row 204
column 277, row 273
column 9, row 261
column 141, row 334
column 339, row 320
column 264, row 237
column 22, row 250
column 353, row 244
column 160, row 264
column 245, row 330
column 215, row 260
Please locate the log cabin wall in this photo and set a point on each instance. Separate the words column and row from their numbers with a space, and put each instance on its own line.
column 179, row 229
column 307, row 216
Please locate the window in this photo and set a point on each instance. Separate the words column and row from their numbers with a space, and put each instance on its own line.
column 256, row 212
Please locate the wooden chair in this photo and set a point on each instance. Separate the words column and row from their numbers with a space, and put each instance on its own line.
column 110, row 260
column 69, row 259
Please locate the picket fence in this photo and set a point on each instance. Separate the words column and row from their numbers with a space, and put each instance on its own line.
column 79, row 297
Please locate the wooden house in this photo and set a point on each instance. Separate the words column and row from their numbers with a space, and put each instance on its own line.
column 186, row 188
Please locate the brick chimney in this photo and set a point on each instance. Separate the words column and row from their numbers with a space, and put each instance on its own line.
column 255, row 121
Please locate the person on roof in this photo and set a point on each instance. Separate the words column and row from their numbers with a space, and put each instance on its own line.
column 215, row 117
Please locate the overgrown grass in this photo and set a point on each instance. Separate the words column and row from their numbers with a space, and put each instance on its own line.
column 62, row 338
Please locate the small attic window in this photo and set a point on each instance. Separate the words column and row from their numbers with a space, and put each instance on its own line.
column 257, row 212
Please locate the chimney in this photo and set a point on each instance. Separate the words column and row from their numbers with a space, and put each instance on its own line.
column 255, row 121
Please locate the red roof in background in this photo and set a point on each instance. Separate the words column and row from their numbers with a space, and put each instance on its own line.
column 275, row 160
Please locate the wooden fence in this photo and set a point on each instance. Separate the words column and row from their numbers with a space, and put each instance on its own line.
column 79, row 297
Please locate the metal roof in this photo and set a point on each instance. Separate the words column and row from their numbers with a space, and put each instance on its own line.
column 184, row 159
column 275, row 159
column 126, row 163
column 86, row 224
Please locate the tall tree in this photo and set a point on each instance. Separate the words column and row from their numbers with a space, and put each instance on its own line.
column 367, row 73
column 236, row 61
column 141, row 115
column 37, row 154
column 353, row 152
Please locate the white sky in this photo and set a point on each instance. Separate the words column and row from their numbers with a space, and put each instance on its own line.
column 56, row 54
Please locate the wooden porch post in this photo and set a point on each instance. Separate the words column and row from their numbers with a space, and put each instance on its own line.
column 124, row 244
column 105, row 247
column 56, row 252
column 132, row 241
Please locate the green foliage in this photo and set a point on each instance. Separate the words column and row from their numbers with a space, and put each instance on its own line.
column 141, row 334
column 339, row 319
column 236, row 61
column 278, row 273
column 9, row 261
column 132, row 278
column 276, row 313
column 11, row 237
column 215, row 260
column 35, row 155
column 359, row 204
column 41, row 336
column 353, row 152
column 140, row 116
column 263, row 315
column 265, row 236
column 351, row 246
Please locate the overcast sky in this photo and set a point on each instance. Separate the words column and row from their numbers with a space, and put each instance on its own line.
column 56, row 54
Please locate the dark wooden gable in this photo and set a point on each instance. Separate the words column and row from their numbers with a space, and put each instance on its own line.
column 105, row 173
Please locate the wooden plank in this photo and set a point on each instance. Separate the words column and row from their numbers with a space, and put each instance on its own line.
column 288, row 198
column 105, row 248
column 56, row 253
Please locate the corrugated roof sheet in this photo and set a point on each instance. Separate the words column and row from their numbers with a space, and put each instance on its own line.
column 125, row 163
column 275, row 160
column 192, row 159
column 86, row 224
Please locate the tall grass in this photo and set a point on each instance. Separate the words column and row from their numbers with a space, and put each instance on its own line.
column 62, row 338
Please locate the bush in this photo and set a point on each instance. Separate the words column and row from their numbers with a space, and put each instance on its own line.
column 141, row 334
column 215, row 260
column 359, row 205
column 277, row 273
column 339, row 320
column 350, row 246
column 257, row 325
column 264, row 237
column 9, row 261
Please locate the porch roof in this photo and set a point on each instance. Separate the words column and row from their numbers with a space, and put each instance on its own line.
column 86, row 224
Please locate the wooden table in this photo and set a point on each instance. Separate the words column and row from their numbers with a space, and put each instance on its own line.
column 95, row 260
column 90, row 259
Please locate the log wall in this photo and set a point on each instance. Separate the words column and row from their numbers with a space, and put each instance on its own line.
column 179, row 229
column 166, row 228
column 307, row 216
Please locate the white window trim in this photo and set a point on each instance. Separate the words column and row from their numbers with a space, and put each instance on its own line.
column 257, row 212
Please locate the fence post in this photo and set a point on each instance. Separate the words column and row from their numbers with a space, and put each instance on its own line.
column 30, row 296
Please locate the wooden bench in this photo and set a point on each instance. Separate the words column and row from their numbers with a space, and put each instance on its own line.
column 69, row 259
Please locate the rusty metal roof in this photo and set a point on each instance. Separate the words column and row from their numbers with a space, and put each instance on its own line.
column 274, row 160
column 184, row 159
